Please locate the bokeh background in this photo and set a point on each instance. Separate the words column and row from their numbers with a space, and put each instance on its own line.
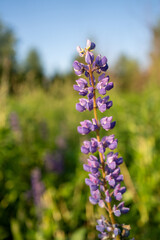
column 42, row 190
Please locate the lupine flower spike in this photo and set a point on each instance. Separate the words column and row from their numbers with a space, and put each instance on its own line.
column 105, row 178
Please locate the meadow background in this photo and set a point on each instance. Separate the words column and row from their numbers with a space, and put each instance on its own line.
column 42, row 191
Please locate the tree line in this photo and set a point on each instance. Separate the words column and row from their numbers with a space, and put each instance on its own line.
column 30, row 72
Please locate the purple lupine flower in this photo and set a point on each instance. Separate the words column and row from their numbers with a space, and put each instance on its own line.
column 120, row 209
column 118, row 191
column 90, row 146
column 93, row 161
column 90, row 93
column 113, row 160
column 105, row 178
column 106, row 123
column 78, row 68
column 90, row 45
column 84, row 104
column 113, row 176
column 85, row 127
column 85, row 147
column 100, row 64
column 108, row 197
column 54, row 162
column 103, row 104
column 109, row 142
column 37, row 186
column 92, row 180
column 94, row 125
column 93, row 145
column 104, row 85
column 80, row 51
column 81, row 87
column 95, row 197
column 89, row 58
column 109, row 231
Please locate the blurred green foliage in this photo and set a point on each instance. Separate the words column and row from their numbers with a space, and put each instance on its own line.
column 65, row 212
column 40, row 146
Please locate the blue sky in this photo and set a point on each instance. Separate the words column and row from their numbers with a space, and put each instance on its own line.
column 56, row 27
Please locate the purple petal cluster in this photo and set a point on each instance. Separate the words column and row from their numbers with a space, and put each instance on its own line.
column 90, row 45
column 103, row 104
column 113, row 177
column 89, row 58
column 106, row 123
column 100, row 64
column 104, row 179
column 104, row 85
column 87, row 126
column 94, row 181
column 81, row 87
column 109, row 142
column 84, row 104
column 79, row 68
column 106, row 229
column 120, row 209
column 110, row 231
column 93, row 145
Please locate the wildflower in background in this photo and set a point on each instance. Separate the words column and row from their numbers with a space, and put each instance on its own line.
column 54, row 162
column 37, row 186
column 105, row 179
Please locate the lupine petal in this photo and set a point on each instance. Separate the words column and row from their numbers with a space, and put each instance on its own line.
column 89, row 58
column 117, row 213
column 100, row 228
column 86, row 168
column 109, row 86
column 124, row 210
column 101, row 203
column 80, row 108
column 84, row 150
column 83, row 130
column 93, row 200
column 103, row 61
column 77, row 66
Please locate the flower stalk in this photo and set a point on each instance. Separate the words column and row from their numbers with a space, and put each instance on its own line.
column 104, row 172
column 109, row 208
